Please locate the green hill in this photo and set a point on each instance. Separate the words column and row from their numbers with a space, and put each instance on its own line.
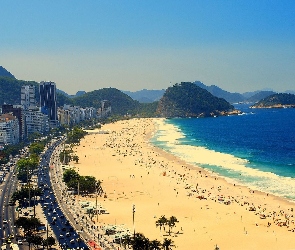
column 189, row 100
column 4, row 72
column 121, row 103
column 277, row 101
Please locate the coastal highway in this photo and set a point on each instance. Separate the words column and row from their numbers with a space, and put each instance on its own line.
column 56, row 213
column 7, row 216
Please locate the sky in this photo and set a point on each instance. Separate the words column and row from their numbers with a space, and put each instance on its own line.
column 131, row 45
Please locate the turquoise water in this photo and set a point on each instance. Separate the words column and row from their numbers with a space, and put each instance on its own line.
column 256, row 149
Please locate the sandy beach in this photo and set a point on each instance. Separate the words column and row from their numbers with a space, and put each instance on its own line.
column 210, row 210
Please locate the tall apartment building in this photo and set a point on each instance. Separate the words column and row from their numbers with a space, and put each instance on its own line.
column 9, row 129
column 48, row 102
column 18, row 112
column 36, row 121
column 28, row 96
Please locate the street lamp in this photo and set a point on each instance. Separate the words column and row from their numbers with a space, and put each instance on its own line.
column 133, row 213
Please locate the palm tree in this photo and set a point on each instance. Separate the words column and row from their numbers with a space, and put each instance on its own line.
column 155, row 245
column 171, row 223
column 162, row 221
column 167, row 244
column 140, row 242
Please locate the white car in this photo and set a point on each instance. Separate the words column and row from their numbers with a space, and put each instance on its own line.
column 19, row 242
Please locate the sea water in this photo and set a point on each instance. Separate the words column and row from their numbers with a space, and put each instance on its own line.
column 256, row 148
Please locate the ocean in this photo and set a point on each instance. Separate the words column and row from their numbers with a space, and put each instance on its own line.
column 255, row 149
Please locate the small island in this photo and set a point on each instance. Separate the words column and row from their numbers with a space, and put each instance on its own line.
column 281, row 100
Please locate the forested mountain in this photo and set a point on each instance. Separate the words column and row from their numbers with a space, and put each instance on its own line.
column 277, row 101
column 4, row 72
column 216, row 91
column 120, row 102
column 189, row 100
column 260, row 95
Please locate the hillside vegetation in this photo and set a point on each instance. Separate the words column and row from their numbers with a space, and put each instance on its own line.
column 277, row 101
column 188, row 100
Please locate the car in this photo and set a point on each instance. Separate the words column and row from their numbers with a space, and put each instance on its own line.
column 68, row 234
column 61, row 236
column 63, row 229
column 72, row 241
column 19, row 242
column 4, row 221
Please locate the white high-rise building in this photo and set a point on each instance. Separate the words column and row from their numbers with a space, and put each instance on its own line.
column 9, row 129
column 28, row 96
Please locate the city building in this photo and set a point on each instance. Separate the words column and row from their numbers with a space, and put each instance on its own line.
column 48, row 102
column 28, row 96
column 9, row 129
column 17, row 111
column 36, row 121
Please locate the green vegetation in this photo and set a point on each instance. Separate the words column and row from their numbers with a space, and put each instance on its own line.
column 277, row 100
column 85, row 184
column 65, row 156
column 75, row 135
column 163, row 221
column 26, row 192
column 188, row 100
column 37, row 148
column 140, row 242
column 28, row 224
column 26, row 166
column 10, row 150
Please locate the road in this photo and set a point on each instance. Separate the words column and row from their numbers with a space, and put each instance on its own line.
column 65, row 232
column 7, row 217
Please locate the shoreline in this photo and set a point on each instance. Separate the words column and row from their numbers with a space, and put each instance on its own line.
column 136, row 172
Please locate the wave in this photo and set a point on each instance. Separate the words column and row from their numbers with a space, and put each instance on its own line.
column 237, row 170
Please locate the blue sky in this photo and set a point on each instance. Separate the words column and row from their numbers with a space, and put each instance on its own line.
column 130, row 45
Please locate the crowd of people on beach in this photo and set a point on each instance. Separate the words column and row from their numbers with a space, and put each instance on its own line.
column 185, row 179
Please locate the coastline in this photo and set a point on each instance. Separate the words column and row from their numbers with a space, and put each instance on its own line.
column 134, row 171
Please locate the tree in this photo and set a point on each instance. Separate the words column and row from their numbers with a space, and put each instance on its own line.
column 161, row 222
column 167, row 244
column 28, row 224
column 26, row 166
column 140, row 242
column 155, row 245
column 50, row 241
column 69, row 175
column 65, row 156
column 171, row 223
column 37, row 240
column 36, row 148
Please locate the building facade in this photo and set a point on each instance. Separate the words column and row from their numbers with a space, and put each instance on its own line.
column 28, row 96
column 17, row 111
column 48, row 102
column 36, row 121
column 9, row 129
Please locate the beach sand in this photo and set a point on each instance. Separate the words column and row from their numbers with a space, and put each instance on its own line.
column 210, row 210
